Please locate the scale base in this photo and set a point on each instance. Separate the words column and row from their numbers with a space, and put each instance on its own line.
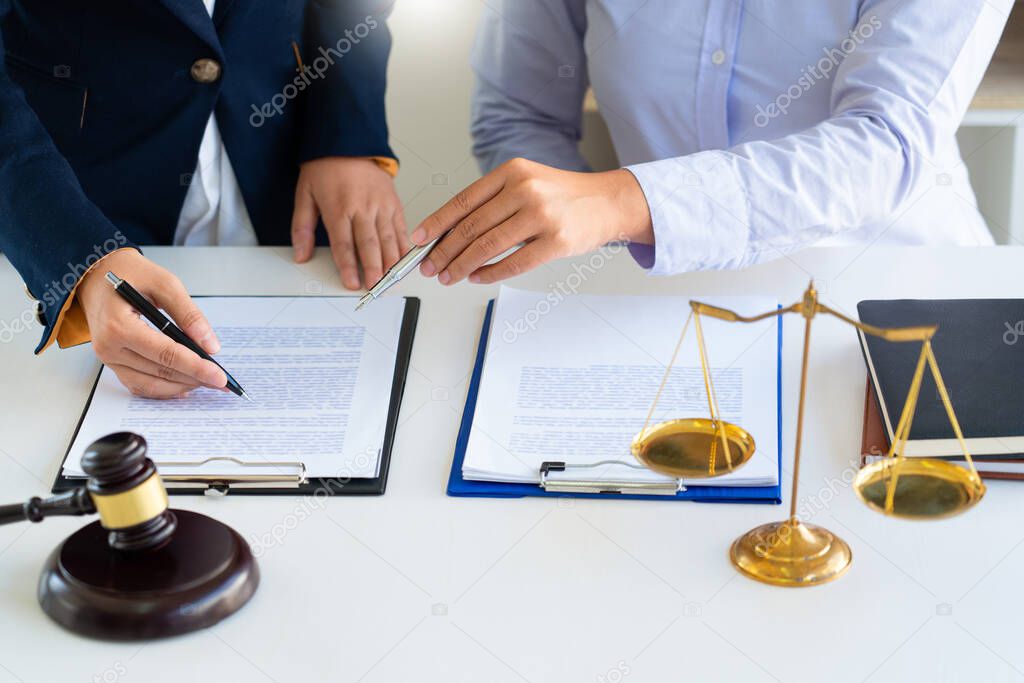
column 791, row 553
column 202, row 574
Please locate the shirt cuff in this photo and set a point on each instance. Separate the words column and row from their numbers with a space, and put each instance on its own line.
column 71, row 328
column 699, row 213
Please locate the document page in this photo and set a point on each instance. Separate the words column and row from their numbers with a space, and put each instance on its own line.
column 571, row 379
column 320, row 377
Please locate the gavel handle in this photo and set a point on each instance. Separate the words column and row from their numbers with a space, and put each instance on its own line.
column 74, row 502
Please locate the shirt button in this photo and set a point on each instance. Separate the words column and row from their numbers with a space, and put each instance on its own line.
column 205, row 70
column 717, row 57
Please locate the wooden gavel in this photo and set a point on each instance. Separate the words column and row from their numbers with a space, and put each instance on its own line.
column 143, row 570
column 123, row 487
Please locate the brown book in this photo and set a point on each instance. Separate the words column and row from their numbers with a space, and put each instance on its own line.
column 875, row 442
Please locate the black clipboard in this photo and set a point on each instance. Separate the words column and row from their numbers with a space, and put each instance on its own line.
column 309, row 486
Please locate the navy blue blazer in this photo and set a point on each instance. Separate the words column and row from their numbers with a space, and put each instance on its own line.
column 103, row 105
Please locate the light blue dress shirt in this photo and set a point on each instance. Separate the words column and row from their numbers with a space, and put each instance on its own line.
column 754, row 127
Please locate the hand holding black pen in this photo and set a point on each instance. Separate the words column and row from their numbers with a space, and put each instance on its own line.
column 145, row 361
column 168, row 328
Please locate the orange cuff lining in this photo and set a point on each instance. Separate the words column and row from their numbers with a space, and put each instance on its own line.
column 388, row 164
column 71, row 328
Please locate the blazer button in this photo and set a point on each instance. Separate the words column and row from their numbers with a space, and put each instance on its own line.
column 205, row 70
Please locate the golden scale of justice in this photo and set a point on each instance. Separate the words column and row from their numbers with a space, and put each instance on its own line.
column 791, row 552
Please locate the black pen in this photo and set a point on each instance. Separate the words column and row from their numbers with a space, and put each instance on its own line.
column 167, row 326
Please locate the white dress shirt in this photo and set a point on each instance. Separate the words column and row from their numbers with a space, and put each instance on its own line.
column 214, row 211
column 754, row 127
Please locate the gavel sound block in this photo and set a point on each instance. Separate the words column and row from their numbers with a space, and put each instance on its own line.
column 142, row 571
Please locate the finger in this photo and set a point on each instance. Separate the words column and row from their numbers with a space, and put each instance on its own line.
column 487, row 246
column 304, row 221
column 164, row 351
column 520, row 261
column 401, row 231
column 133, row 360
column 389, row 248
column 459, row 206
column 148, row 386
column 343, row 250
column 368, row 247
column 172, row 296
column 474, row 226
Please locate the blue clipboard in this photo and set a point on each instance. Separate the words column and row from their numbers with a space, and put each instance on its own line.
column 460, row 487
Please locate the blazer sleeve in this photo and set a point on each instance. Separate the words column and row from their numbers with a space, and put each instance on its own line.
column 346, row 49
column 49, row 230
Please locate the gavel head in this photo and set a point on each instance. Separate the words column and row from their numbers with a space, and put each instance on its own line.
column 128, row 494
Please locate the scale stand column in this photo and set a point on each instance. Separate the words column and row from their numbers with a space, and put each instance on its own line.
column 791, row 553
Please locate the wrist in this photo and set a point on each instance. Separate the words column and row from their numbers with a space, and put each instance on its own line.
column 629, row 204
column 363, row 163
column 94, row 279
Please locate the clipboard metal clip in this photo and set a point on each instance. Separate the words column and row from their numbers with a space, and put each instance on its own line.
column 606, row 486
column 264, row 474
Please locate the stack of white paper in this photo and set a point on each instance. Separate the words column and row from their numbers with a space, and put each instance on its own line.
column 572, row 378
column 319, row 374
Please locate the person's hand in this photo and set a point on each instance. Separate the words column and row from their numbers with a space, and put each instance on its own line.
column 553, row 213
column 361, row 211
column 146, row 361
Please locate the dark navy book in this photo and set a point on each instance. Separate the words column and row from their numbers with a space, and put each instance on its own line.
column 979, row 347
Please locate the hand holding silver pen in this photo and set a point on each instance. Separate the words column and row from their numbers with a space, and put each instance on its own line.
column 405, row 265
column 522, row 215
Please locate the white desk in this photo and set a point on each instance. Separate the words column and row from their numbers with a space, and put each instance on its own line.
column 415, row 586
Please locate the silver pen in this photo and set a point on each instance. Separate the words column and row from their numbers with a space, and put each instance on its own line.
column 405, row 265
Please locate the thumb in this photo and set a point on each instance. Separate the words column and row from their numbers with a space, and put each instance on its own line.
column 304, row 220
column 172, row 296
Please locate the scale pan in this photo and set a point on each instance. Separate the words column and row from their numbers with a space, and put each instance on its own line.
column 691, row 448
column 926, row 488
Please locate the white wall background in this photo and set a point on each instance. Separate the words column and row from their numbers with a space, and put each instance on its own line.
column 428, row 100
